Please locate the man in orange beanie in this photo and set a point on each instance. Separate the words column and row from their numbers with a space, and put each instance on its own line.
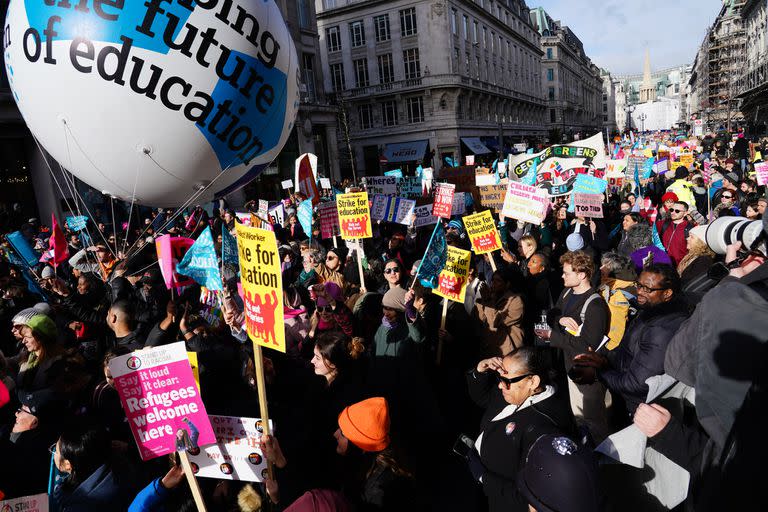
column 364, row 424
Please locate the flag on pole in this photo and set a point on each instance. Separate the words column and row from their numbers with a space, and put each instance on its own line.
column 200, row 262
column 228, row 247
column 58, row 250
column 434, row 258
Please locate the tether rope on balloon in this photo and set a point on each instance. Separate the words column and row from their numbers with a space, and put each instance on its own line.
column 130, row 210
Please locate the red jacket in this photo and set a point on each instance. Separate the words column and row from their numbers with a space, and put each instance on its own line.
column 674, row 237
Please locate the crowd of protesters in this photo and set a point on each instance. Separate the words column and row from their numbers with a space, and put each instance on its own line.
column 549, row 355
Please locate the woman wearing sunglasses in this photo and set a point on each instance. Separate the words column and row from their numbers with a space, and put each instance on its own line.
column 520, row 405
column 394, row 276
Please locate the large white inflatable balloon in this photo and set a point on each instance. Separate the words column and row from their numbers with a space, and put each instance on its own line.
column 158, row 96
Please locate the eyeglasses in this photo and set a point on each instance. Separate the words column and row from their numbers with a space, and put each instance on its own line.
column 726, row 197
column 330, row 257
column 642, row 288
column 22, row 409
column 508, row 382
column 324, row 309
column 391, row 270
column 676, row 210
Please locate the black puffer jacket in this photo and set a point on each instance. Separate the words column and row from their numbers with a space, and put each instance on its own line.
column 641, row 353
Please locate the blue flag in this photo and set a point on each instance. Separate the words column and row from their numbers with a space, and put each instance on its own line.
column 228, row 247
column 656, row 238
column 648, row 171
column 25, row 251
column 304, row 213
column 637, row 182
column 418, row 171
column 530, row 176
column 77, row 223
column 397, row 173
column 434, row 258
column 200, row 262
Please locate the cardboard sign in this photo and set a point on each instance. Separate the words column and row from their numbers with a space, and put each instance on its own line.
column 615, row 166
column 615, row 182
column 161, row 400
column 325, row 183
column 586, row 184
column 686, row 159
column 662, row 166
column 354, row 215
column 452, row 281
column 761, row 171
column 278, row 212
column 470, row 159
column 263, row 208
column 384, row 185
column 525, row 203
column 423, row 216
column 261, row 277
column 244, row 218
column 329, row 220
column 588, row 205
column 410, row 187
column 485, row 180
column 482, row 232
column 393, row 209
column 236, row 454
column 286, row 184
column 493, row 196
column 443, row 200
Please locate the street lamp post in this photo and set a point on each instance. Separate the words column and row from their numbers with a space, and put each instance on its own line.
column 629, row 109
column 642, row 117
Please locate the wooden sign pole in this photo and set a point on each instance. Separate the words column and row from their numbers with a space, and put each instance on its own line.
column 196, row 494
column 442, row 326
column 360, row 264
column 261, row 386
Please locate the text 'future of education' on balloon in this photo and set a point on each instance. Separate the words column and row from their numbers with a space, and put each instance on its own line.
column 248, row 80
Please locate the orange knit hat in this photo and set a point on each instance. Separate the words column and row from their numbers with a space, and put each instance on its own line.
column 366, row 424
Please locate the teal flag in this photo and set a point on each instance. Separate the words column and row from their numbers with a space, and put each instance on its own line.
column 228, row 247
column 200, row 262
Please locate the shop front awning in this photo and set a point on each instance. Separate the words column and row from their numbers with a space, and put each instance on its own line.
column 475, row 145
column 406, row 151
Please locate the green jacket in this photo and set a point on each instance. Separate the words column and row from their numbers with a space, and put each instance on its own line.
column 399, row 341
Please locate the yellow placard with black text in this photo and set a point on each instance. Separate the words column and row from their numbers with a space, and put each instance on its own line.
column 261, row 277
column 354, row 215
column 482, row 232
column 452, row 281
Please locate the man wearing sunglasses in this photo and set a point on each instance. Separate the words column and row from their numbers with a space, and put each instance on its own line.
column 674, row 232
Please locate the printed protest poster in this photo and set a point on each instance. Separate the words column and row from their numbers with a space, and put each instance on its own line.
column 161, row 400
column 632, row 161
column 422, row 216
column 470, row 159
column 325, row 183
column 555, row 165
column 384, row 185
column 588, row 205
column 761, row 172
column 393, row 209
column 244, row 218
column 482, row 232
column 586, row 184
column 459, row 203
column 452, row 281
column 525, row 203
column 329, row 220
column 263, row 208
column 261, row 277
column 354, row 215
column 686, row 160
column 77, row 223
column 443, row 200
column 35, row 503
column 662, row 166
column 286, row 184
column 236, row 454
column 493, row 196
column 193, row 364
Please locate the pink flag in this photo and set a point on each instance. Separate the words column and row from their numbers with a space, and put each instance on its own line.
column 170, row 251
column 57, row 244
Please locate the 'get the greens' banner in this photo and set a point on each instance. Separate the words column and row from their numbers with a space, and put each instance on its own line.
column 452, row 281
column 261, row 277
column 482, row 232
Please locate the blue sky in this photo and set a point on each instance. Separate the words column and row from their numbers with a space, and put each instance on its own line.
column 615, row 33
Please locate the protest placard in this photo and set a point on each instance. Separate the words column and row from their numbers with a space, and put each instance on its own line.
column 35, row 503
column 525, row 203
column 161, row 401
column 263, row 208
column 384, row 185
column 397, row 173
column 493, row 196
column 443, row 200
column 485, row 180
column 588, row 205
column 470, row 159
column 244, row 218
column 278, row 212
column 613, row 167
column 393, row 209
column 286, row 184
column 354, row 215
column 761, row 172
column 686, row 160
column 236, row 453
column 615, row 182
column 261, row 277
column 423, row 216
column 452, row 281
column 482, row 232
column 459, row 203
column 586, row 184
column 410, row 187
column 329, row 220
column 325, row 183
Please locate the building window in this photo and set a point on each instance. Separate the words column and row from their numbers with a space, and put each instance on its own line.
column 408, row 22
column 474, row 32
column 309, row 75
column 466, row 28
column 381, row 26
column 551, row 93
column 305, row 13
column 454, row 21
column 493, row 41
column 550, row 74
column 549, row 53
column 389, row 113
column 333, row 36
column 337, row 76
column 477, row 67
column 365, row 115
column 361, row 72
column 605, row 119
column 485, row 37
column 357, row 34
column 411, row 63
column 415, row 108
column 386, row 69
column 605, row 107
column 456, row 60
column 329, row 4
column 552, row 116
column 467, row 71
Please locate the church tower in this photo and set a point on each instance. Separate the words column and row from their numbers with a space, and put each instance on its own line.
column 647, row 88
